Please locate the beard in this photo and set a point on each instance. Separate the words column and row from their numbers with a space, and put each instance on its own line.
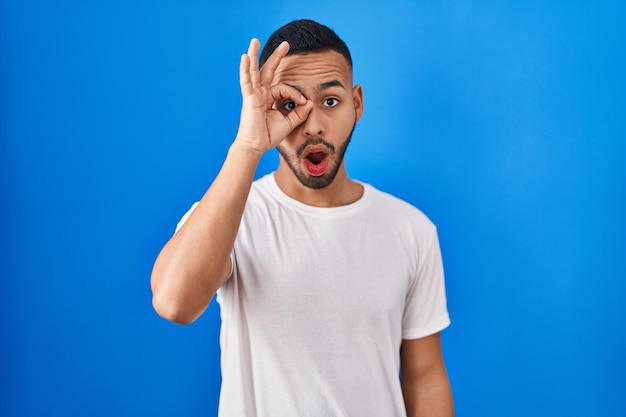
column 335, row 158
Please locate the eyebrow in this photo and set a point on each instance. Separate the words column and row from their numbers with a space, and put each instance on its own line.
column 321, row 86
column 329, row 84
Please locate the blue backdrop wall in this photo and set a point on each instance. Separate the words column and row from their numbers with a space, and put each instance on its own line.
column 505, row 122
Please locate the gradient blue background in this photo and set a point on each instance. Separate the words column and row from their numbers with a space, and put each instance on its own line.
column 503, row 121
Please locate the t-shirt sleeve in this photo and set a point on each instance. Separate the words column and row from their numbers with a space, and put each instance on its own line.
column 186, row 216
column 426, row 310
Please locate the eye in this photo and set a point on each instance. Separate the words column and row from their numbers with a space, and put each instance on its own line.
column 289, row 106
column 331, row 102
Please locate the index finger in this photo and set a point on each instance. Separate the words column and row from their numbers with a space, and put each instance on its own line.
column 267, row 72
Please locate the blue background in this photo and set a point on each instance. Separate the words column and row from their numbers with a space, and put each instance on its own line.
column 505, row 122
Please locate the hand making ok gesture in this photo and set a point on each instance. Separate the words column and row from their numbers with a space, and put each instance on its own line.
column 262, row 126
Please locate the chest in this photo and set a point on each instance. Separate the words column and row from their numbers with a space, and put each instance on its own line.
column 356, row 269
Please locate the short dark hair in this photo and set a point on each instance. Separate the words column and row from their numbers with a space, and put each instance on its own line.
column 305, row 36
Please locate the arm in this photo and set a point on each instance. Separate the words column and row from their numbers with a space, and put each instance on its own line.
column 195, row 262
column 425, row 384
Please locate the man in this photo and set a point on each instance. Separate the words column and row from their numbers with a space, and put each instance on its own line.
column 328, row 288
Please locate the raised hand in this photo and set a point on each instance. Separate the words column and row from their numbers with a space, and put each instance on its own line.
column 262, row 126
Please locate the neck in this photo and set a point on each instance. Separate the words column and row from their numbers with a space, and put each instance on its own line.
column 342, row 191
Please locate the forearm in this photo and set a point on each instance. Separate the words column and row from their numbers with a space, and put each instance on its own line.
column 196, row 261
column 428, row 396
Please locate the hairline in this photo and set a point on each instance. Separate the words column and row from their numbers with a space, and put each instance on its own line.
column 302, row 53
column 321, row 51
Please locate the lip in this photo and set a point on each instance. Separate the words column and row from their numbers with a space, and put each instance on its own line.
column 315, row 149
column 319, row 168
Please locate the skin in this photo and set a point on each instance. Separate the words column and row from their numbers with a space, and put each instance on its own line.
column 425, row 384
column 300, row 104
column 325, row 79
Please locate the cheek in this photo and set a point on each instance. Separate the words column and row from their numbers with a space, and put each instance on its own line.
column 350, row 115
column 347, row 121
column 287, row 147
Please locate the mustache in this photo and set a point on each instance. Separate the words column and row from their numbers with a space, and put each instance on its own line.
column 314, row 141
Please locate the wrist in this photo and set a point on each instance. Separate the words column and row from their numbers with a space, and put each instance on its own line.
column 243, row 149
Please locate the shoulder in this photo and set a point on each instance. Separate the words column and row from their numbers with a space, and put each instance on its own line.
column 263, row 200
column 397, row 209
column 262, row 185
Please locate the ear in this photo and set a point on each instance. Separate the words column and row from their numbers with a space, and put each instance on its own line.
column 357, row 95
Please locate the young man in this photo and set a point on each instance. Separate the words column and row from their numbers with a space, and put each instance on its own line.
column 328, row 288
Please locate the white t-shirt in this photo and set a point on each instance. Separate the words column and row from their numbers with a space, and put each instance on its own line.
column 319, row 301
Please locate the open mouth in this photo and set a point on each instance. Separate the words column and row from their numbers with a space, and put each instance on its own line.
column 316, row 162
column 316, row 158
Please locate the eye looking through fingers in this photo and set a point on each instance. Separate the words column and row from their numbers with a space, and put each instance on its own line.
column 288, row 106
column 287, row 98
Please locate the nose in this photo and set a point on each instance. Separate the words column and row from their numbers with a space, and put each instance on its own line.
column 313, row 126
